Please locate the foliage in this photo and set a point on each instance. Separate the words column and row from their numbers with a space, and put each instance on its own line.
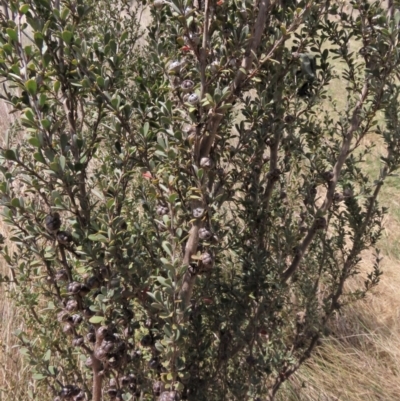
column 186, row 213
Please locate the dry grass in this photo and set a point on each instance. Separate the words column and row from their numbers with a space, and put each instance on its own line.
column 12, row 371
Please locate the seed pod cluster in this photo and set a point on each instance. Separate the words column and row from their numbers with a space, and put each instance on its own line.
column 337, row 197
column 215, row 66
column 154, row 363
column 76, row 319
column 193, row 269
column 112, row 351
column 89, row 362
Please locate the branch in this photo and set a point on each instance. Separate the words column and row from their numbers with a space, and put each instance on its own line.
column 354, row 125
column 208, row 140
column 253, row 44
column 247, row 62
column 203, row 54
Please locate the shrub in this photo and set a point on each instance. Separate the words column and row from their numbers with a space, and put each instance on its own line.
column 186, row 210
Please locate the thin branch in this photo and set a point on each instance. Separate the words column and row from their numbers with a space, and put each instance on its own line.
column 354, row 125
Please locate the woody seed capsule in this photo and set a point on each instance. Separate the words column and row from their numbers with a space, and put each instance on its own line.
column 193, row 99
column 61, row 275
column 68, row 329
column 198, row 212
column 169, row 396
column 206, row 163
column 74, row 287
column 158, row 3
column 89, row 362
column 63, row 316
column 204, row 234
column 72, row 305
column 100, row 354
column 187, row 85
column 78, row 341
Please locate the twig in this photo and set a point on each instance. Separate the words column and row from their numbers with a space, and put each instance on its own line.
column 354, row 125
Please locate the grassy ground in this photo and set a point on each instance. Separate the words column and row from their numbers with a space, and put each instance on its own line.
column 13, row 383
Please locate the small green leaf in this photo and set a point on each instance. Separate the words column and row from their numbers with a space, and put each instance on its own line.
column 124, row 36
column 38, row 376
column 67, row 36
column 146, row 127
column 42, row 99
column 98, row 237
column 24, row 9
column 64, row 13
column 9, row 154
column 167, row 248
column 53, row 370
column 100, row 81
column 62, row 162
column 165, row 282
column 45, row 123
column 47, row 355
column 31, row 86
column 56, row 86
column 12, row 34
column 39, row 157
column 96, row 319
column 29, row 114
column 15, row 202
column 34, row 142
column 38, row 38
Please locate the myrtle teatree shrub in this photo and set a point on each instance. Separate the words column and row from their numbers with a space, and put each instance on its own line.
column 185, row 213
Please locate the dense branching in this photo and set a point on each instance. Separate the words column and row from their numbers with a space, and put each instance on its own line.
column 187, row 202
